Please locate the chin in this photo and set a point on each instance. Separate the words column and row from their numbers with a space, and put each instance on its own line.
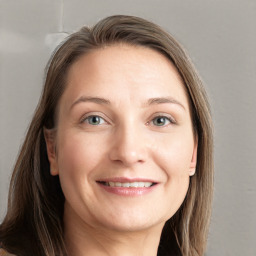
column 132, row 221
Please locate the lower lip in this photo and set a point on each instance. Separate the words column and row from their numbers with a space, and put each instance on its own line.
column 121, row 191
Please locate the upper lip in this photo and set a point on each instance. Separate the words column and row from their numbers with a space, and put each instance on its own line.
column 126, row 179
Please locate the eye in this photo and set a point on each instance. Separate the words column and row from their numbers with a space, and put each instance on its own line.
column 94, row 120
column 162, row 121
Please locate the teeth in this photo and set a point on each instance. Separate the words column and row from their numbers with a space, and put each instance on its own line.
column 129, row 184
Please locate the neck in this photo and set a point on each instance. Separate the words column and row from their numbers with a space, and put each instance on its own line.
column 83, row 240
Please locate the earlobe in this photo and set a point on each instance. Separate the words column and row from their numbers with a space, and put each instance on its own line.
column 193, row 163
column 49, row 136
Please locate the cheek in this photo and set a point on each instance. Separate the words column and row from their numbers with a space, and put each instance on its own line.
column 173, row 155
column 78, row 156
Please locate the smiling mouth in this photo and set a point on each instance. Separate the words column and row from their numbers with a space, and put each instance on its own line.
column 136, row 184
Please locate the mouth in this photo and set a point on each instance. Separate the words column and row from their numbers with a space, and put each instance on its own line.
column 134, row 184
column 123, row 186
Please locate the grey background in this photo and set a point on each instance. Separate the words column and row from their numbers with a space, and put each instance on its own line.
column 220, row 36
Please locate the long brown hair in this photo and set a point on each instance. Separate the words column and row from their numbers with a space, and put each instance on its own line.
column 33, row 224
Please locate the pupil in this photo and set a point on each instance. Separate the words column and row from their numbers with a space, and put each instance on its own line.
column 95, row 120
column 160, row 120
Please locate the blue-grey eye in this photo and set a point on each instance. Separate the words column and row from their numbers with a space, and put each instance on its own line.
column 161, row 121
column 94, row 120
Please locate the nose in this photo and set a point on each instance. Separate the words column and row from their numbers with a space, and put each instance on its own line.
column 128, row 146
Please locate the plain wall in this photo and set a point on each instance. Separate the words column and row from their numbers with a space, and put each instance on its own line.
column 220, row 37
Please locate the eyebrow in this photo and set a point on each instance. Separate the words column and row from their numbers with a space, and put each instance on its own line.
column 162, row 100
column 96, row 100
column 151, row 101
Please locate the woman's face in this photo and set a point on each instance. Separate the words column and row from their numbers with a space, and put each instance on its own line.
column 124, row 143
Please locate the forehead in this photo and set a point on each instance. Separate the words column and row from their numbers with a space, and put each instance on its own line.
column 124, row 71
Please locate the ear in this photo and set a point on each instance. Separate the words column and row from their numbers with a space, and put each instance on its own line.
column 49, row 136
column 192, row 168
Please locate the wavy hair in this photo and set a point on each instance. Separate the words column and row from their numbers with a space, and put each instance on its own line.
column 33, row 224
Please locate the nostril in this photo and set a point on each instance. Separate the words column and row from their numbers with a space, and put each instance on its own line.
column 125, row 157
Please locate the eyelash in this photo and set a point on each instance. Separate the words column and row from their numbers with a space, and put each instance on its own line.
column 166, row 118
column 101, row 120
column 86, row 119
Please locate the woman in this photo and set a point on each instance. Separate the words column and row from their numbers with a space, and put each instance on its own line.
column 118, row 157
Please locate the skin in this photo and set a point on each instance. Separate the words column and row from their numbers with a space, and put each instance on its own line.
column 127, row 142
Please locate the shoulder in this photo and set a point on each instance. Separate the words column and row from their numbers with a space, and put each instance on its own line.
column 5, row 253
